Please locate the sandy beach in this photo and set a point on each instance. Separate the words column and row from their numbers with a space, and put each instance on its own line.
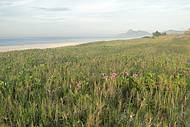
column 35, row 46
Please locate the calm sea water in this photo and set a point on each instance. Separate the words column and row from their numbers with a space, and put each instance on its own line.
column 50, row 40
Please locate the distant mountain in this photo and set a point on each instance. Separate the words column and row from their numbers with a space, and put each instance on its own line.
column 134, row 34
column 169, row 32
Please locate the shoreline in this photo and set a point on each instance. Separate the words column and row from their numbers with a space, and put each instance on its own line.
column 35, row 46
column 8, row 48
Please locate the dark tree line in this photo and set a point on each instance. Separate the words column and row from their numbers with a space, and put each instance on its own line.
column 157, row 34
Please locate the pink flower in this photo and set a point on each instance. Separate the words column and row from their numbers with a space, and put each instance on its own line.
column 113, row 75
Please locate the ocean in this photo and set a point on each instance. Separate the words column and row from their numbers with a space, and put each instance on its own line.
column 51, row 40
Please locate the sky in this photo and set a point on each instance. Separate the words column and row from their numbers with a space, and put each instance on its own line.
column 90, row 17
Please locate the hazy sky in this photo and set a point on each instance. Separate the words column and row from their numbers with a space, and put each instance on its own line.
column 90, row 17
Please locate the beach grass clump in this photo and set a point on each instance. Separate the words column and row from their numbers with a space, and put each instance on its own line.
column 135, row 83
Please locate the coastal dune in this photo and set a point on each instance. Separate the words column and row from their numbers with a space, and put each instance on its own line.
column 35, row 46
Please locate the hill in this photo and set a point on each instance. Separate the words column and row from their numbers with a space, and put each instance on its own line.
column 134, row 34
column 170, row 32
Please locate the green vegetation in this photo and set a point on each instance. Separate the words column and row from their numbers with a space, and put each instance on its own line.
column 157, row 34
column 136, row 83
